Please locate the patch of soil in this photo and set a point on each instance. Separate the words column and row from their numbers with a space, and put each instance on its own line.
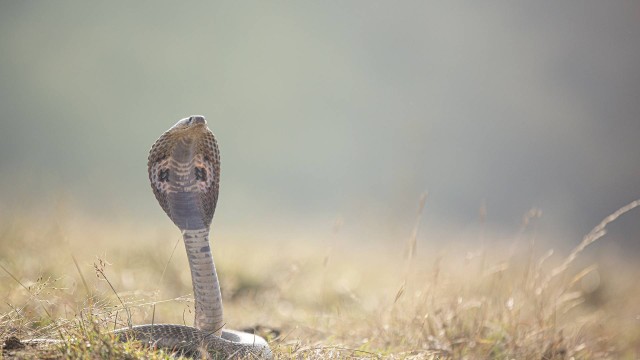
column 13, row 348
column 12, row 343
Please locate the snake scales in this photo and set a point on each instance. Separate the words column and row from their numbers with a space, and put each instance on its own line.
column 184, row 170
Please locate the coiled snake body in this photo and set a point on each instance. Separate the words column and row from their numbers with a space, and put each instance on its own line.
column 184, row 170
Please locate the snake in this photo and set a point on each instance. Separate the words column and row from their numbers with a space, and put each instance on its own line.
column 184, row 171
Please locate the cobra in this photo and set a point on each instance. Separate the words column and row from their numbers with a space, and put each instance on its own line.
column 184, row 171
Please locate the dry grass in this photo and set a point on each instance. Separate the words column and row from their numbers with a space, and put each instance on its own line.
column 72, row 278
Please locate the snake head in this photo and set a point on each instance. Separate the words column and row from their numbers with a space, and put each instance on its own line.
column 192, row 122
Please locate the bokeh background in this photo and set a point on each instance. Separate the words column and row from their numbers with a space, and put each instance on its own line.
column 331, row 113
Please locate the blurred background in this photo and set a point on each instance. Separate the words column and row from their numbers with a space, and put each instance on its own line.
column 331, row 113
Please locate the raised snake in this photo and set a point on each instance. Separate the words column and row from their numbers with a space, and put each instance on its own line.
column 184, row 170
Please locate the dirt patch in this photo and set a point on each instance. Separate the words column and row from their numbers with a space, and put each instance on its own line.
column 13, row 348
column 12, row 343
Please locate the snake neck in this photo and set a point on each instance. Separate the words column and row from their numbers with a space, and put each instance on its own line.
column 206, row 289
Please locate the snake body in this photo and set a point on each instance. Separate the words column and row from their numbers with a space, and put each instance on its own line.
column 184, row 171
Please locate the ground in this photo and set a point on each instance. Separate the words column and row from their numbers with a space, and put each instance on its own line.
column 318, row 299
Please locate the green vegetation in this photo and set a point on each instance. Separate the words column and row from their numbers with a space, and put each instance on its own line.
column 75, row 279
